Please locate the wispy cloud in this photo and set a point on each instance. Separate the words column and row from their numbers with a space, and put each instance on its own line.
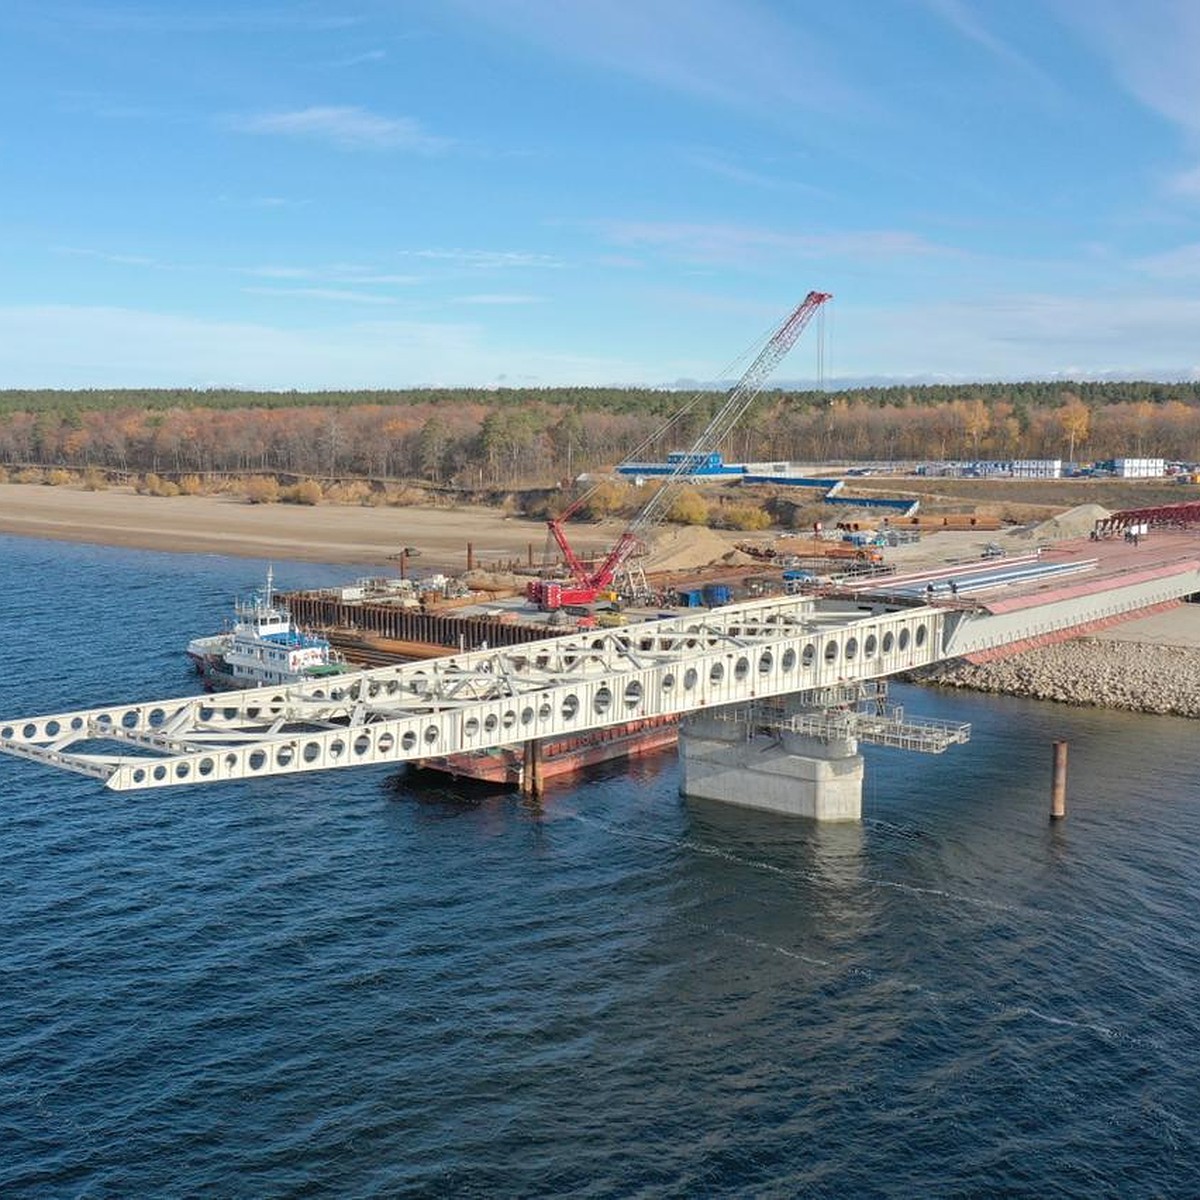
column 498, row 298
column 357, row 60
column 1028, row 336
column 1182, row 262
column 335, row 294
column 729, row 52
column 715, row 164
column 348, row 128
column 1015, row 337
column 1152, row 47
column 1186, row 183
column 362, row 276
column 154, row 19
column 123, row 260
column 736, row 243
column 1095, row 329
column 266, row 202
column 116, row 347
column 488, row 260
column 964, row 20
column 278, row 272
column 351, row 274
column 366, row 277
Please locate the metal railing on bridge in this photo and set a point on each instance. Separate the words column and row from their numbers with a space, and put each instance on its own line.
column 855, row 712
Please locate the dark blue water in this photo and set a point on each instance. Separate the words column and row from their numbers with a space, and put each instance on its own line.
column 339, row 985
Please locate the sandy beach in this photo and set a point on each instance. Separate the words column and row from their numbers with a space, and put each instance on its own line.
column 335, row 533
column 326, row 533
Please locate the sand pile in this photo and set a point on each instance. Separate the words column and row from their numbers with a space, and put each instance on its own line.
column 1075, row 522
column 493, row 581
column 688, row 547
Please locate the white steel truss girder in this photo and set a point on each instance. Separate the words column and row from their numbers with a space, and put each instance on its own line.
column 483, row 699
column 981, row 631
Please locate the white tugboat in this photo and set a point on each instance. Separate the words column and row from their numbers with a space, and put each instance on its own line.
column 263, row 647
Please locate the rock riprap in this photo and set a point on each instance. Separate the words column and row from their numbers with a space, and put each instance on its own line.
column 1088, row 671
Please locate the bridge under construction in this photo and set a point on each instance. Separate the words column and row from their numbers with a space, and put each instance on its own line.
column 773, row 687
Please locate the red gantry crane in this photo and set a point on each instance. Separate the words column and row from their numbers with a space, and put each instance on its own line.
column 585, row 582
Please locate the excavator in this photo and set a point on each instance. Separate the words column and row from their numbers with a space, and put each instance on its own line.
column 585, row 583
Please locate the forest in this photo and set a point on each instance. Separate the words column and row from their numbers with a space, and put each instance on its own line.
column 476, row 438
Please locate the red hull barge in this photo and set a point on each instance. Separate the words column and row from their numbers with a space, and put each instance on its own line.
column 504, row 765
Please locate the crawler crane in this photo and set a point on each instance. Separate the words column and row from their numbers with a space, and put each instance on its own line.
column 585, row 583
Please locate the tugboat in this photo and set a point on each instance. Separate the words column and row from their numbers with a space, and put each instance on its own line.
column 263, row 647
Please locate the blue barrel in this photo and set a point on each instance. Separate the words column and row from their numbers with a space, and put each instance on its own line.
column 716, row 594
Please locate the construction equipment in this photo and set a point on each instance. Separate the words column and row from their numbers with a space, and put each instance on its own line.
column 585, row 583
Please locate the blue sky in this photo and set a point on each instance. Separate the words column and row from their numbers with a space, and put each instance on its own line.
column 396, row 193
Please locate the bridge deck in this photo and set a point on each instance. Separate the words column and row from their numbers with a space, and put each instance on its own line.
column 1035, row 576
column 582, row 681
column 477, row 700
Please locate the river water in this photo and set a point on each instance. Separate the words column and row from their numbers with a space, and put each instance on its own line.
column 344, row 985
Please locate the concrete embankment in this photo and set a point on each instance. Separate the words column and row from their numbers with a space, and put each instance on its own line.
column 1150, row 665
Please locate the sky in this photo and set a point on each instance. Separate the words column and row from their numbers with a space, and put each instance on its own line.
column 307, row 194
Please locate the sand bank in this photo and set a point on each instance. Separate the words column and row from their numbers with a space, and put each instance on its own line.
column 328, row 533
column 325, row 533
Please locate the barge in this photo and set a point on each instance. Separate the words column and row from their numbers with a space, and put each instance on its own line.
column 504, row 766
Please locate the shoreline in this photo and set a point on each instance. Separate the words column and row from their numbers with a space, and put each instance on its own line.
column 324, row 533
column 1155, row 671
column 1149, row 664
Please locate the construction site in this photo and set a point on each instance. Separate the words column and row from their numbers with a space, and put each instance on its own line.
column 513, row 672
column 880, row 551
column 953, row 561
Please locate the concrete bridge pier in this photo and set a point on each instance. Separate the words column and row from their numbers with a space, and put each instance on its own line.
column 731, row 760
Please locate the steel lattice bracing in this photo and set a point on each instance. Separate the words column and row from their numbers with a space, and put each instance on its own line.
column 849, row 712
column 1163, row 516
column 482, row 699
column 734, row 407
column 551, row 688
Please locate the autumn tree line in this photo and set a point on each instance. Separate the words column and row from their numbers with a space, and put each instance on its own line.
column 515, row 437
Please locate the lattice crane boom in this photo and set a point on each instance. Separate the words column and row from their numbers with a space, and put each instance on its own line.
column 585, row 585
column 741, row 396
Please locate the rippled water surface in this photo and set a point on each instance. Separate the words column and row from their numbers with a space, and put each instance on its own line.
column 343, row 984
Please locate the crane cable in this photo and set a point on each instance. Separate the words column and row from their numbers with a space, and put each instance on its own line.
column 734, row 370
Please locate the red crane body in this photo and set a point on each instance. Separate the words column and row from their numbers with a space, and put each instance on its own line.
column 584, row 584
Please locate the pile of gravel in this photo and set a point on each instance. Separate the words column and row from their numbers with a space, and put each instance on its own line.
column 480, row 580
column 1089, row 671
